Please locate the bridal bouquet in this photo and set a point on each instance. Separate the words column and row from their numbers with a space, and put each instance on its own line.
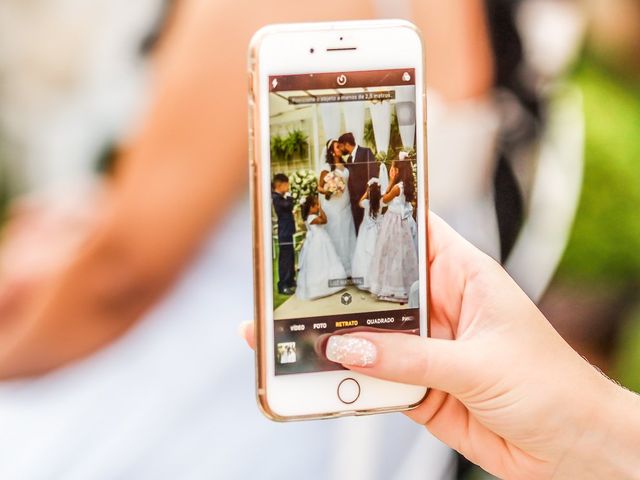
column 333, row 185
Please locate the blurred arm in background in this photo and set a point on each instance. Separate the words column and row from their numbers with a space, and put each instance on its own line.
column 175, row 180
column 457, row 45
column 186, row 165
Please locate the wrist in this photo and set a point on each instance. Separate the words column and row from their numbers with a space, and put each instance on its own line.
column 621, row 446
column 609, row 446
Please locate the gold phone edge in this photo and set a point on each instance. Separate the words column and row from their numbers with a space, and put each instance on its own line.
column 255, row 164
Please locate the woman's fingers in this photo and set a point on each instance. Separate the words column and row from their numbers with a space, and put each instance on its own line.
column 247, row 332
column 404, row 358
column 397, row 357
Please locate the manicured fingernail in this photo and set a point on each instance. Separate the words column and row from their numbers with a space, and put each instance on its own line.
column 349, row 350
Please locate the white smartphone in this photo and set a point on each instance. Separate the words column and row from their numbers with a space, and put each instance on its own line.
column 339, row 196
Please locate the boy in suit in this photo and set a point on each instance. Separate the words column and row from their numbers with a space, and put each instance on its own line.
column 283, row 206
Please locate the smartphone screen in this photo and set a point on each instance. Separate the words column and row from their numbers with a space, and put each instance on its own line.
column 344, row 210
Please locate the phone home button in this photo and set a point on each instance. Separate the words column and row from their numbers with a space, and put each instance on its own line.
column 348, row 391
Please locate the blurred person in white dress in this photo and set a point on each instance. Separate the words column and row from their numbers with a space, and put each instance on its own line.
column 174, row 398
column 180, row 392
column 337, row 206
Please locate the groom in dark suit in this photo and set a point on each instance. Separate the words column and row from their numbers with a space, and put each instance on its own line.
column 362, row 165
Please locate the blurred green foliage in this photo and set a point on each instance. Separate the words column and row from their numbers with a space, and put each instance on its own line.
column 294, row 144
column 627, row 361
column 604, row 247
column 605, row 242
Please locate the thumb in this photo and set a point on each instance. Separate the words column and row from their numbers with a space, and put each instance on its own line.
column 404, row 358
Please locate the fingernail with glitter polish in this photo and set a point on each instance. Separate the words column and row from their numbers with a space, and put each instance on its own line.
column 349, row 350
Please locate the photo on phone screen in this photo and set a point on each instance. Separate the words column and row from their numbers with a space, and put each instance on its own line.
column 344, row 209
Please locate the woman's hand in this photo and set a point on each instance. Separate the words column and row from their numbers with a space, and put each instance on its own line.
column 42, row 236
column 506, row 390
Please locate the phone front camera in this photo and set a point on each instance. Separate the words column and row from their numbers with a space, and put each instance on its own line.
column 311, row 50
column 341, row 38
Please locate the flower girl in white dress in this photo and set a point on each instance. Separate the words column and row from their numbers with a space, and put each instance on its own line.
column 319, row 262
column 395, row 262
column 368, row 235
column 402, row 156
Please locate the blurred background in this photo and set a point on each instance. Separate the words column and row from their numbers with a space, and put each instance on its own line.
column 125, row 259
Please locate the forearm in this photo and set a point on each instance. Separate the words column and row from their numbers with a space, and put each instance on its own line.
column 185, row 166
column 617, row 436
column 188, row 162
column 609, row 445
column 392, row 192
column 176, row 179
column 92, row 300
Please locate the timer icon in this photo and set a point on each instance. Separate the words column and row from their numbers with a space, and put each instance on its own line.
column 342, row 80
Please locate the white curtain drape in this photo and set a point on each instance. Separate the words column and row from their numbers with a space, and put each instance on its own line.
column 331, row 120
column 406, row 112
column 383, row 176
column 354, row 119
column 381, row 118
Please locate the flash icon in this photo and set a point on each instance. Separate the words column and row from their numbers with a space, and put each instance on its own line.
column 275, row 82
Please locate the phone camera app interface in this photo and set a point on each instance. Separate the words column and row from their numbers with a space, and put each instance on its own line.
column 344, row 210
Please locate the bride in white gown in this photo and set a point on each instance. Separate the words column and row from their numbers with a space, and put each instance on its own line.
column 337, row 208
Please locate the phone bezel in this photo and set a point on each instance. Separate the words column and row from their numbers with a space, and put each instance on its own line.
column 282, row 50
